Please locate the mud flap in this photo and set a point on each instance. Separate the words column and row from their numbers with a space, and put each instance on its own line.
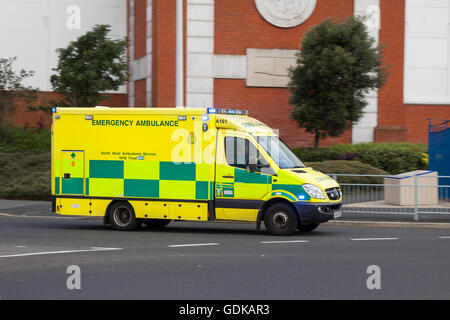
column 258, row 221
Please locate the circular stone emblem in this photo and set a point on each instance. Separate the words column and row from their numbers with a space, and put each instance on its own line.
column 285, row 13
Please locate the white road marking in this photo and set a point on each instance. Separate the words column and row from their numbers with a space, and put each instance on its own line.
column 372, row 239
column 287, row 241
column 25, row 216
column 92, row 249
column 193, row 245
column 444, row 237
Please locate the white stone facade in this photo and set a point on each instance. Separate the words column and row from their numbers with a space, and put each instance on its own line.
column 364, row 130
column 200, row 53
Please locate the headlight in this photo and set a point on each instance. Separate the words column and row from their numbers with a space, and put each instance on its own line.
column 313, row 191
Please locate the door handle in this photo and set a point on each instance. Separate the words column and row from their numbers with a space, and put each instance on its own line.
column 228, row 176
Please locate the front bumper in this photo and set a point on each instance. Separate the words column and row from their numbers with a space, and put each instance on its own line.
column 316, row 212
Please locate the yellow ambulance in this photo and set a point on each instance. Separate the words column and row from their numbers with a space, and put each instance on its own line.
column 157, row 165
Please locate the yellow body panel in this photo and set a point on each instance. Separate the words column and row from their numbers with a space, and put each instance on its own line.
column 77, row 207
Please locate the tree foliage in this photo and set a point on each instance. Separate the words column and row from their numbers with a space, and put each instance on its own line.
column 11, row 88
column 88, row 66
column 337, row 66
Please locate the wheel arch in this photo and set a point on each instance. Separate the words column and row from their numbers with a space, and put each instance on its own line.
column 272, row 201
column 108, row 211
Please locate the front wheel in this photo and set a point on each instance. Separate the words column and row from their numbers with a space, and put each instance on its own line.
column 280, row 219
column 122, row 217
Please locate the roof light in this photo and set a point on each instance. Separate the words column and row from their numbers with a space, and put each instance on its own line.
column 226, row 111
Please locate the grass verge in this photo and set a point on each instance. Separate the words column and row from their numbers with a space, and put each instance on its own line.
column 25, row 175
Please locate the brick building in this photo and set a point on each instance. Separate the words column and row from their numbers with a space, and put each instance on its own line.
column 236, row 53
column 236, row 56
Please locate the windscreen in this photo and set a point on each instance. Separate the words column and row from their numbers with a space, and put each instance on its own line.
column 279, row 152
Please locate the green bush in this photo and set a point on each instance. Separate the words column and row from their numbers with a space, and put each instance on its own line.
column 25, row 175
column 24, row 139
column 349, row 167
column 391, row 157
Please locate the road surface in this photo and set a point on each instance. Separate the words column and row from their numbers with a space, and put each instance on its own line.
column 195, row 260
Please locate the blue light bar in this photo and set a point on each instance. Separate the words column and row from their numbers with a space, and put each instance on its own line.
column 226, row 111
column 53, row 109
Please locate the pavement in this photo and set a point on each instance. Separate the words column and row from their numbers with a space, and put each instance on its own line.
column 198, row 260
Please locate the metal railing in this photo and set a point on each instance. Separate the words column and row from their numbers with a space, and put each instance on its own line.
column 414, row 194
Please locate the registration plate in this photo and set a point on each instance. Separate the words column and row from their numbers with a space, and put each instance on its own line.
column 337, row 214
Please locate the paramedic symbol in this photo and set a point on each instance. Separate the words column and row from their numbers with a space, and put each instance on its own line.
column 73, row 155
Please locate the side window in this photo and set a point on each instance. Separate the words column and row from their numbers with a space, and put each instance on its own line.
column 240, row 152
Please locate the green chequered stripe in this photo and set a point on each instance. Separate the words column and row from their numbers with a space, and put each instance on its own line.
column 113, row 178
column 106, row 169
column 201, row 190
column 177, row 171
column 141, row 188
column 204, row 190
column 57, row 185
column 72, row 186
column 244, row 176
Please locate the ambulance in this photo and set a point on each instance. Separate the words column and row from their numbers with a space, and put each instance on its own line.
column 152, row 166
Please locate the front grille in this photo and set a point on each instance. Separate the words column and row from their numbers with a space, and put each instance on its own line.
column 330, row 208
column 333, row 193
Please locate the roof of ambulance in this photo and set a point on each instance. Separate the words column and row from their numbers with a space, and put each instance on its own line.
column 106, row 110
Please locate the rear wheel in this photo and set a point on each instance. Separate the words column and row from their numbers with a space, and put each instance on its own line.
column 122, row 217
column 307, row 227
column 280, row 219
column 156, row 223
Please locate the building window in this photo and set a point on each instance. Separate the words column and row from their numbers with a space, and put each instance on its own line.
column 427, row 52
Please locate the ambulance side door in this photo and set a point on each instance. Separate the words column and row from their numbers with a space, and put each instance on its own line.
column 239, row 191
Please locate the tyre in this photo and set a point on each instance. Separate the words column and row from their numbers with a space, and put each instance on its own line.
column 307, row 227
column 122, row 217
column 156, row 223
column 280, row 219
